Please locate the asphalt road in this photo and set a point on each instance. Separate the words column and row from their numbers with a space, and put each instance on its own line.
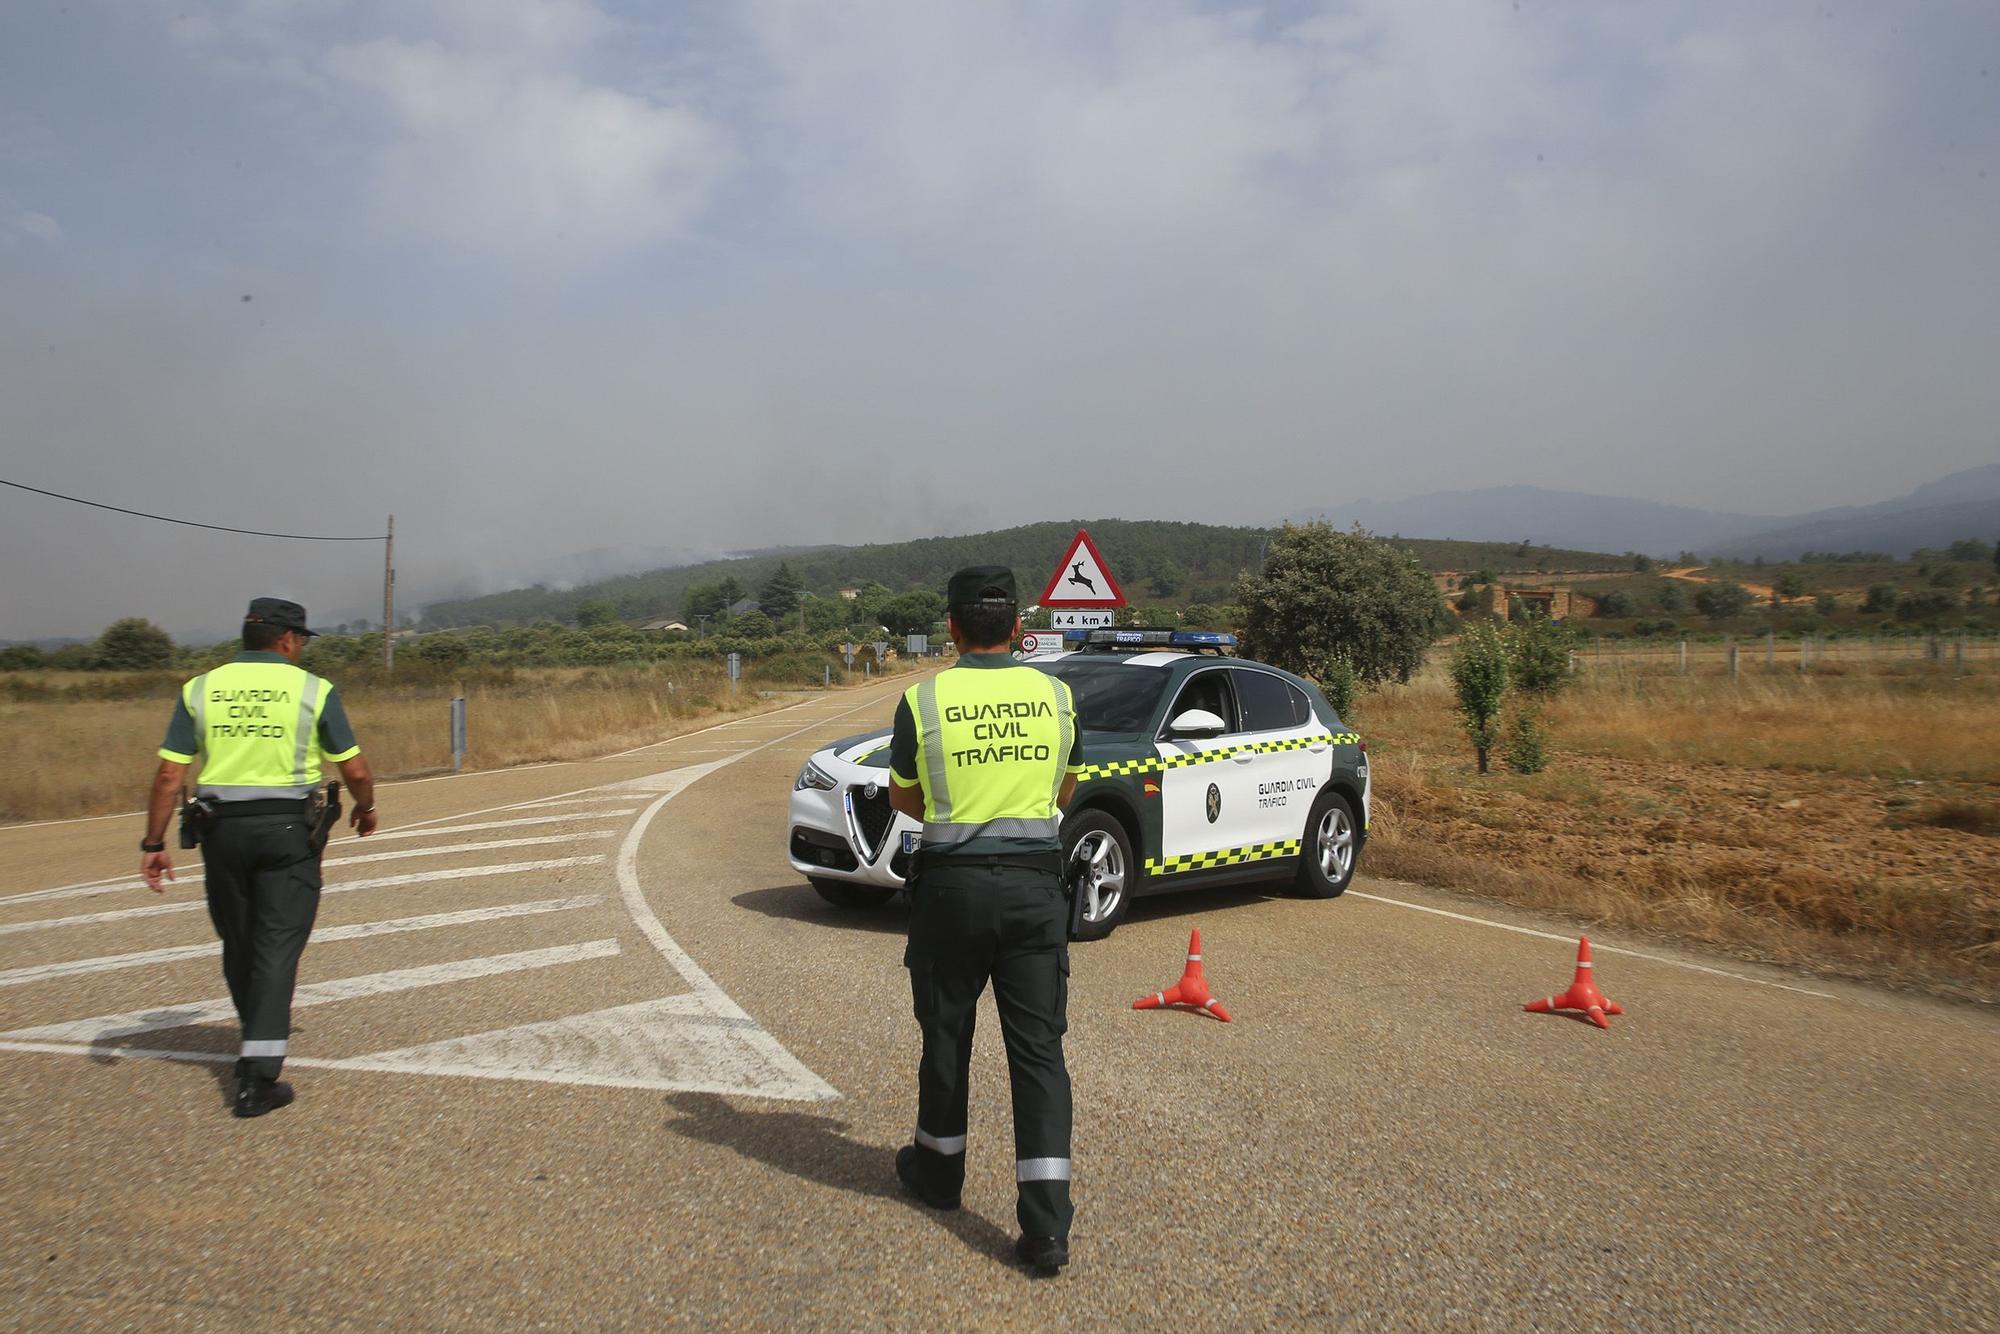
column 576, row 1047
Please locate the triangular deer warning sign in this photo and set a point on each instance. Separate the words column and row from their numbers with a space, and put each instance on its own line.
column 1081, row 580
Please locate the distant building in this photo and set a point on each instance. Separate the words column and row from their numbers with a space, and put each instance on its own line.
column 664, row 627
column 1553, row 602
column 850, row 594
column 741, row 605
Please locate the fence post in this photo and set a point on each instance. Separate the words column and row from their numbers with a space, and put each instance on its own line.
column 457, row 733
column 1684, row 657
column 1733, row 669
column 1770, row 649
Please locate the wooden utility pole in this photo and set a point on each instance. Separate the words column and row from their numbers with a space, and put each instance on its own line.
column 389, row 598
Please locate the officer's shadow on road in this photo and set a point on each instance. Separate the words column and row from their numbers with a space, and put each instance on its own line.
column 800, row 902
column 813, row 1148
column 212, row 1048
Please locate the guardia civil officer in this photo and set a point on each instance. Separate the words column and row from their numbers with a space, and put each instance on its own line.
column 261, row 725
column 986, row 755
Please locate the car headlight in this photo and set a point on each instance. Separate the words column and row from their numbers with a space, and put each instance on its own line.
column 813, row 776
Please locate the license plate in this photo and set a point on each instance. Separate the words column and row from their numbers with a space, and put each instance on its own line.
column 911, row 838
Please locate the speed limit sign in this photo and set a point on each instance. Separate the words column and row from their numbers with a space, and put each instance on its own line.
column 1030, row 642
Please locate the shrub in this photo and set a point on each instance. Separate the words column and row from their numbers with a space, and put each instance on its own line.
column 1538, row 653
column 1338, row 682
column 1479, row 679
column 20, row 658
column 132, row 645
column 1881, row 597
column 1616, row 603
column 1671, row 597
column 1721, row 600
column 1527, row 750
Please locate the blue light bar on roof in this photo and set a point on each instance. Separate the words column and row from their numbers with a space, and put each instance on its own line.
column 1106, row 637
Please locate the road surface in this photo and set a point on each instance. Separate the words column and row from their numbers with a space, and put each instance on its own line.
column 575, row 1047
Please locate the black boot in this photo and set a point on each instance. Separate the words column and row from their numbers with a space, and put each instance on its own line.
column 1044, row 1255
column 256, row 1096
column 912, row 1179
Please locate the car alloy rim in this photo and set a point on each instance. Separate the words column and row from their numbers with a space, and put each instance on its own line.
column 1103, row 886
column 1336, row 844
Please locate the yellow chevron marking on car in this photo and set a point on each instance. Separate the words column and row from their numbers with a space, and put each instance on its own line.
column 1156, row 764
column 1202, row 861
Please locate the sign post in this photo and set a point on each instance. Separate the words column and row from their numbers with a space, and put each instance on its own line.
column 1081, row 593
column 735, row 670
column 457, row 734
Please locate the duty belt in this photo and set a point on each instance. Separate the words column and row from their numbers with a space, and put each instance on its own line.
column 260, row 806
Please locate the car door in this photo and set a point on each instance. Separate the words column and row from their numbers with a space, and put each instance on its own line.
column 1287, row 752
column 1205, row 790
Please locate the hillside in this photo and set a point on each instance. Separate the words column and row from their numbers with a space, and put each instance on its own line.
column 1154, row 561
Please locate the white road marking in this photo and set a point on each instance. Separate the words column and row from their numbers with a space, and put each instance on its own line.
column 111, row 963
column 126, row 886
column 378, row 882
column 682, row 1044
column 567, row 817
column 1596, row 945
column 104, row 1027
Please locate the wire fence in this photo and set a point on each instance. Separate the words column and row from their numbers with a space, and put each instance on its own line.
column 1957, row 652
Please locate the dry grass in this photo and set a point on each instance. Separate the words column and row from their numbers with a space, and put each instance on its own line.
column 64, row 757
column 1839, row 824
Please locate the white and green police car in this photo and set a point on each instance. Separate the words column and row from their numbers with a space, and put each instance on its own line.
column 1199, row 769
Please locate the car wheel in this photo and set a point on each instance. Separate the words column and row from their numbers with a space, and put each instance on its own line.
column 848, row 894
column 1327, row 855
column 1111, row 873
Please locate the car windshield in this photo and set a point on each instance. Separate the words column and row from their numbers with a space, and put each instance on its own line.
column 1110, row 697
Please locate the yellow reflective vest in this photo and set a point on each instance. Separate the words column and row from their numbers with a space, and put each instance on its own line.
column 993, row 747
column 257, row 727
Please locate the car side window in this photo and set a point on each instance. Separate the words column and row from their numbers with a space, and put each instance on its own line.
column 1302, row 709
column 1210, row 691
column 1266, row 701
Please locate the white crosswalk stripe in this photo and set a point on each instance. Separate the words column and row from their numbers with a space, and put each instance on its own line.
column 102, row 1028
column 111, row 963
column 378, row 882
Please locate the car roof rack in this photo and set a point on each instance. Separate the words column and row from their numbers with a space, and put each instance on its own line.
column 1106, row 639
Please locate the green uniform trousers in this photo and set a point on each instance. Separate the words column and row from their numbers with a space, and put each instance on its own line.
column 969, row 923
column 263, row 894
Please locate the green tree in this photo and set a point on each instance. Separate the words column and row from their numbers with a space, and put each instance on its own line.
column 1826, row 604
column 1881, row 597
column 1721, row 599
column 1323, row 595
column 752, row 625
column 1972, row 550
column 913, row 613
column 20, row 658
column 1168, row 578
column 1671, row 596
column 1527, row 743
column 1538, row 653
column 780, row 594
column 1479, row 679
column 1790, row 585
column 131, row 645
column 1615, row 603
column 1338, row 682
column 1201, row 616
column 593, row 612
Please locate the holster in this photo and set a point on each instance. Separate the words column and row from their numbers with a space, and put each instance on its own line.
column 322, row 814
column 1072, row 880
column 196, row 812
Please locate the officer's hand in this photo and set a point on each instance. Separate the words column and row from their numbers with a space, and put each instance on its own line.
column 153, row 865
column 364, row 821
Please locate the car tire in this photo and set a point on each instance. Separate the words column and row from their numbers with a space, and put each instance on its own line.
column 1115, row 869
column 848, row 894
column 1329, row 848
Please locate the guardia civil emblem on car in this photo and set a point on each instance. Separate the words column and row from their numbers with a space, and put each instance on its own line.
column 1200, row 768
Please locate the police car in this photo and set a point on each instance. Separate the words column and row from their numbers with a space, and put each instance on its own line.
column 1199, row 769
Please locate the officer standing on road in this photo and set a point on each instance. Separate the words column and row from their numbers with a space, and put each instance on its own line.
column 986, row 755
column 261, row 725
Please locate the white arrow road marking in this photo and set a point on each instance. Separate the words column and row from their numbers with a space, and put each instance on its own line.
column 378, row 882
column 684, row 1044
column 104, row 1027
column 567, row 817
column 111, row 963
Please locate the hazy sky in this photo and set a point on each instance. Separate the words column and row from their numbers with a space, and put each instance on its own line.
column 546, row 277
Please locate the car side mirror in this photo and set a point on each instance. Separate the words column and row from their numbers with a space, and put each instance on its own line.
column 1197, row 723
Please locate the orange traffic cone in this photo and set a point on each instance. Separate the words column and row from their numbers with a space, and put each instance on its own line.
column 1191, row 990
column 1582, row 994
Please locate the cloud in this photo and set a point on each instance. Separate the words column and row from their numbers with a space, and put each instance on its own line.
column 514, row 161
column 34, row 227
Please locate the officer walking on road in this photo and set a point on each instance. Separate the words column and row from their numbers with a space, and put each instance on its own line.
column 261, row 725
column 986, row 755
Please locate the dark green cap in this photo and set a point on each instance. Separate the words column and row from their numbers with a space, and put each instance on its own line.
column 989, row 585
column 277, row 611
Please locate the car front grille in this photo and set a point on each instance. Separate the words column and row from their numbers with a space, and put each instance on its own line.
column 872, row 818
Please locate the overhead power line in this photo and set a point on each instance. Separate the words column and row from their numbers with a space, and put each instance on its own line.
column 190, row 523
